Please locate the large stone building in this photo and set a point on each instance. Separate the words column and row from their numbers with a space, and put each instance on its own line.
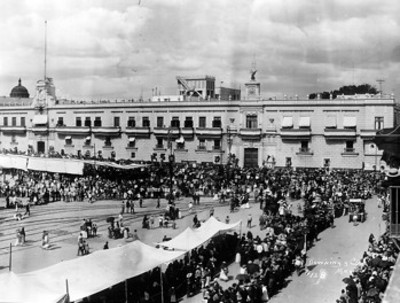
column 202, row 123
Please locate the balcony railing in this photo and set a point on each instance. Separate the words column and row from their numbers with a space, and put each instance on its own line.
column 349, row 152
column 13, row 129
column 106, row 131
column 332, row 133
column 250, row 133
column 209, row 132
column 295, row 134
column 138, row 131
column 304, row 151
column 201, row 147
column 187, row 131
column 73, row 130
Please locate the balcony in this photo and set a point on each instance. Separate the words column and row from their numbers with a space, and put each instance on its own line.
column 368, row 134
column 163, row 132
column 209, row 132
column 106, row 130
column 13, row 129
column 270, row 130
column 40, row 129
column 187, row 132
column 304, row 151
column 250, row 133
column 349, row 152
column 295, row 134
column 142, row 132
column 73, row 130
column 340, row 134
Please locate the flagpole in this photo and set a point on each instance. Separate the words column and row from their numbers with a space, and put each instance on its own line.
column 67, row 287
column 10, row 259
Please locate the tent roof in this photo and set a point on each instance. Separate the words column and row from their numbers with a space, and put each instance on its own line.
column 192, row 238
column 86, row 275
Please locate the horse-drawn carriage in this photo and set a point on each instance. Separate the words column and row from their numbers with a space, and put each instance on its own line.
column 357, row 211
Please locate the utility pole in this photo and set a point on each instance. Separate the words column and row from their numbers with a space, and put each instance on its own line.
column 45, row 49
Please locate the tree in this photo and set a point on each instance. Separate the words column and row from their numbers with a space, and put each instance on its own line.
column 347, row 90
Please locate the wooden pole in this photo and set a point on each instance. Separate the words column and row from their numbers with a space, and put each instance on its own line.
column 126, row 291
column 10, row 259
column 162, row 285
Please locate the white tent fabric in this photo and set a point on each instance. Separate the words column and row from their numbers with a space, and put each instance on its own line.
column 56, row 165
column 186, row 240
column 13, row 161
column 115, row 165
column 192, row 238
column 212, row 226
column 86, row 275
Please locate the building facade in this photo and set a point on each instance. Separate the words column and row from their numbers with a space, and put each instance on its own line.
column 196, row 127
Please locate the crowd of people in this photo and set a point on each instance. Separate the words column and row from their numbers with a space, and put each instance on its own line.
column 265, row 262
column 370, row 278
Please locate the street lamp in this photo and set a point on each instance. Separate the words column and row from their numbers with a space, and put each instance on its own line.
column 376, row 154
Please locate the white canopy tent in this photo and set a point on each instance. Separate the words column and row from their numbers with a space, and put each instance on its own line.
column 56, row 165
column 192, row 238
column 86, row 276
column 13, row 161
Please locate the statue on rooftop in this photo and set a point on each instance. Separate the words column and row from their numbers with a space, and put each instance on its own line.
column 253, row 74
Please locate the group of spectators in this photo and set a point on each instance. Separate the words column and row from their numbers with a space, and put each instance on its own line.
column 370, row 278
column 267, row 262
column 275, row 256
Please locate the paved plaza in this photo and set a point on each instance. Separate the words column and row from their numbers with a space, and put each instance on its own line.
column 329, row 261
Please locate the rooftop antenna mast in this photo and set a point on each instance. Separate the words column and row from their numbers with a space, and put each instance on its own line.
column 45, row 49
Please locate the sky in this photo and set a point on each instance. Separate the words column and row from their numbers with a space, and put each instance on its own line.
column 120, row 49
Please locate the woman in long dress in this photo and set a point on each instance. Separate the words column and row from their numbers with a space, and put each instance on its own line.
column 45, row 240
column 223, row 275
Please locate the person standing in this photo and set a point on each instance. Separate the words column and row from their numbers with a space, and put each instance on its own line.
column 122, row 208
column 27, row 210
column 45, row 240
column 23, row 235
column 249, row 220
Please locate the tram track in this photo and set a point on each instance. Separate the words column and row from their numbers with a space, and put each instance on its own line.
column 65, row 231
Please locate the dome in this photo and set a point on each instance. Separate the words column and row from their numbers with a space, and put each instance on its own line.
column 19, row 91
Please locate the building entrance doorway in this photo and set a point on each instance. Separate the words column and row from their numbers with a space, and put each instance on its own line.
column 41, row 147
column 250, row 157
